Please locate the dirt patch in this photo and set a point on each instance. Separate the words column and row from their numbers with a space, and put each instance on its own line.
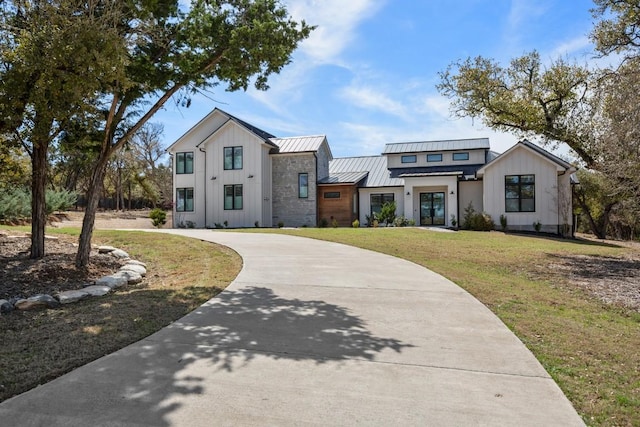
column 109, row 220
column 23, row 277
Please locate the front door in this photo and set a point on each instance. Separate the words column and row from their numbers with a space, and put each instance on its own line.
column 432, row 208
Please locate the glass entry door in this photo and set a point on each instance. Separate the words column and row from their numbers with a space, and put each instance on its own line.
column 432, row 209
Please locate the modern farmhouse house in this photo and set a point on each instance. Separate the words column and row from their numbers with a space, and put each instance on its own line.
column 228, row 172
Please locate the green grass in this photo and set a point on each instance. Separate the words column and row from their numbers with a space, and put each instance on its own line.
column 592, row 350
column 42, row 345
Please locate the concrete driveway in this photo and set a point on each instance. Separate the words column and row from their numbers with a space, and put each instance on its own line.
column 312, row 333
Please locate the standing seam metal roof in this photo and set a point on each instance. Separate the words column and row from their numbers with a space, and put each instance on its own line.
column 444, row 145
column 379, row 175
column 299, row 144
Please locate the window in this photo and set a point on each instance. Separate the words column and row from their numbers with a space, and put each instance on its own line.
column 332, row 195
column 232, row 158
column 434, row 157
column 409, row 159
column 303, row 185
column 377, row 200
column 460, row 156
column 184, row 163
column 520, row 192
column 233, row 197
column 184, row 199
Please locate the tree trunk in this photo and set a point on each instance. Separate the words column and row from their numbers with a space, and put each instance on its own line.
column 38, row 200
column 93, row 199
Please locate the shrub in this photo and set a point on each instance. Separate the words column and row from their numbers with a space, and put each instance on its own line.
column 280, row 224
column 323, row 223
column 400, row 221
column 503, row 222
column 387, row 213
column 59, row 200
column 454, row 222
column 257, row 224
column 191, row 224
column 477, row 221
column 334, row 223
column 355, row 224
column 411, row 222
column 537, row 226
column 158, row 217
column 16, row 204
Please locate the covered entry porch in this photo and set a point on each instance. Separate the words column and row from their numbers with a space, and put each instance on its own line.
column 431, row 199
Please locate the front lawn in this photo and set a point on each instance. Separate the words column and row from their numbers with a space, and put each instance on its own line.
column 550, row 293
column 183, row 273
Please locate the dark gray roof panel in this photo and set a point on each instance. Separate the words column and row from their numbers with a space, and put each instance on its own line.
column 378, row 176
column 444, row 145
column 464, row 169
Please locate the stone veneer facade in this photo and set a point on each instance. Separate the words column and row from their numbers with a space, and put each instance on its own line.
column 288, row 208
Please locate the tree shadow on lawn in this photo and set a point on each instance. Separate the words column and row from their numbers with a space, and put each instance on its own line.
column 148, row 381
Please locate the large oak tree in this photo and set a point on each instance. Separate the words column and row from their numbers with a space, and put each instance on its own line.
column 171, row 53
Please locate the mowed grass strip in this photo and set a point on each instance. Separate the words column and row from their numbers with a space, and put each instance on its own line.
column 182, row 274
column 592, row 350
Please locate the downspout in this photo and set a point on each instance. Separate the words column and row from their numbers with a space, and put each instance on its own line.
column 458, row 203
column 205, row 185
column 315, row 155
column 173, row 193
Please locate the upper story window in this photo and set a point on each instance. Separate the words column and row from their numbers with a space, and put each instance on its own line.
column 184, row 162
column 460, row 156
column 520, row 193
column 409, row 159
column 303, row 185
column 232, row 158
column 434, row 157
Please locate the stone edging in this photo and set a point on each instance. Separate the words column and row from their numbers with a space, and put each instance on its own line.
column 131, row 272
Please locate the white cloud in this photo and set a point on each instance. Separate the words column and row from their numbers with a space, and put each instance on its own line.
column 336, row 21
column 578, row 46
column 372, row 99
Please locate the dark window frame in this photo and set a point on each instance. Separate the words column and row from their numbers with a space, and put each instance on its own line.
column 520, row 186
column 434, row 158
column 464, row 156
column 234, row 205
column 331, row 195
column 303, row 194
column 185, row 192
column 409, row 158
column 236, row 154
column 181, row 165
column 384, row 198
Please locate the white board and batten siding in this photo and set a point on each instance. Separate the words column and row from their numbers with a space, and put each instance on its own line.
column 255, row 177
column 522, row 161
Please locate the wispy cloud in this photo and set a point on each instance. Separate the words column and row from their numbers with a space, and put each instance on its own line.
column 371, row 98
column 337, row 22
column 578, row 46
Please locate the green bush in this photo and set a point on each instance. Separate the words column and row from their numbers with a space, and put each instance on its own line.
column 60, row 200
column 387, row 213
column 476, row 221
column 503, row 222
column 323, row 223
column 158, row 217
column 16, row 204
column 355, row 224
column 400, row 221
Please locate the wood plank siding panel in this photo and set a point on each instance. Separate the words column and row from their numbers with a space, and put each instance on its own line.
column 341, row 209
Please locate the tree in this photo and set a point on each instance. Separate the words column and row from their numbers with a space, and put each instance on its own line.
column 594, row 113
column 173, row 52
column 526, row 98
column 618, row 27
column 54, row 54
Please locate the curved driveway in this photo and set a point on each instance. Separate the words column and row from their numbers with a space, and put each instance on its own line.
column 312, row 333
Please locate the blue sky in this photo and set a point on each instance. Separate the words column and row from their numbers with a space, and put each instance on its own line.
column 367, row 74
